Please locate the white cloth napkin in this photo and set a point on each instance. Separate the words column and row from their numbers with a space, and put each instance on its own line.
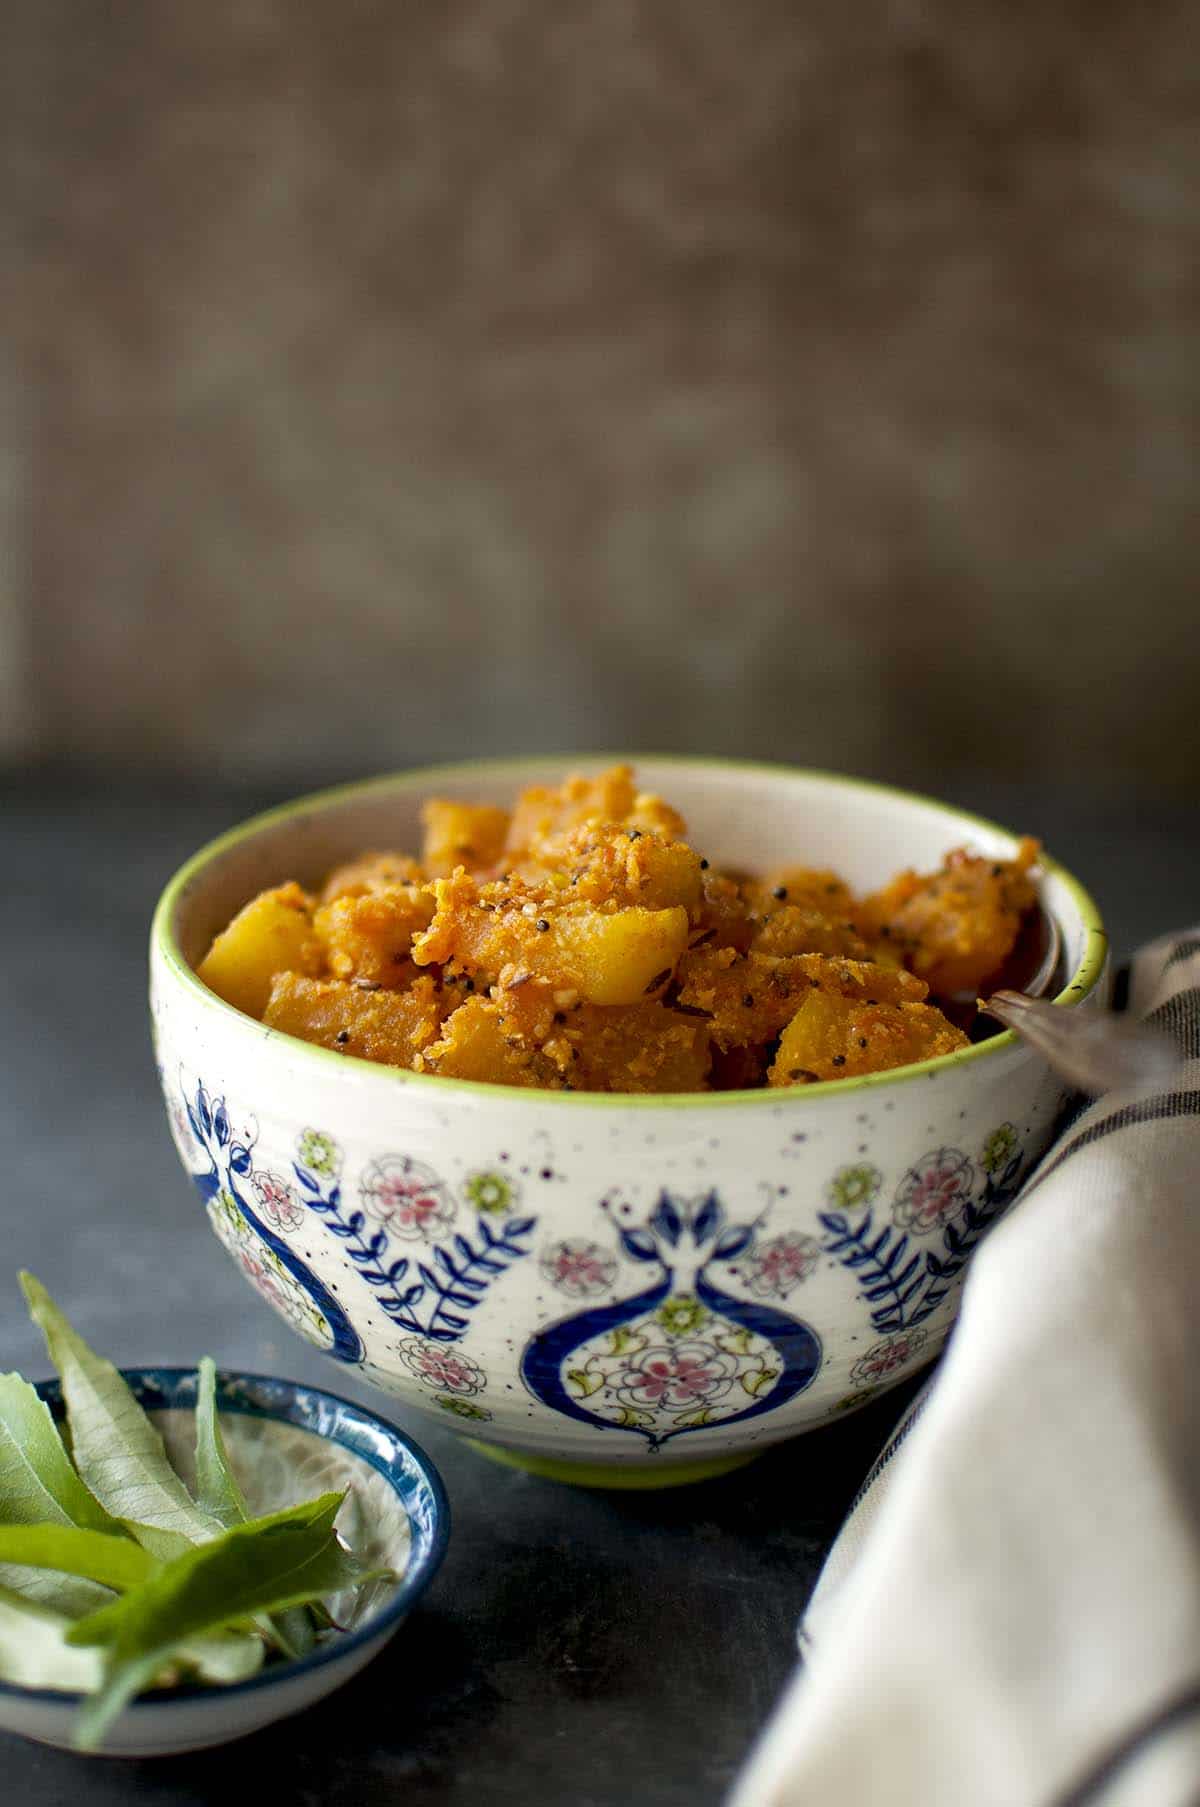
column 1011, row 1615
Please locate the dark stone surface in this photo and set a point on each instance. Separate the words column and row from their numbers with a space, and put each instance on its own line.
column 577, row 1647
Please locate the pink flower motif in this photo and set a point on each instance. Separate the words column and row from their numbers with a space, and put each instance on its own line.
column 183, row 1129
column 686, row 1374
column 773, row 1268
column 445, row 1369
column 264, row 1281
column 406, row 1197
column 579, row 1268
column 277, row 1202
column 264, row 1271
column 883, row 1359
column 932, row 1191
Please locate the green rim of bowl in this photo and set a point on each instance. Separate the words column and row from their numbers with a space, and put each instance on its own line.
column 1079, row 984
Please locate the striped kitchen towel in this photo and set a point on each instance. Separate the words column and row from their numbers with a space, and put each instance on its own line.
column 1011, row 1614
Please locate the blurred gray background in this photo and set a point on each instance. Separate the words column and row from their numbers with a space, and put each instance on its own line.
column 816, row 382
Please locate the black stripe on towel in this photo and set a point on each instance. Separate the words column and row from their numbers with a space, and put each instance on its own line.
column 899, row 1436
column 1179, row 1017
column 1146, row 1110
column 1183, row 950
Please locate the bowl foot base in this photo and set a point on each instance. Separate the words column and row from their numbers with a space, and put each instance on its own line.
column 644, row 1475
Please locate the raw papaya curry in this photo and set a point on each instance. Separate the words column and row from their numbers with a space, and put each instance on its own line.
column 581, row 943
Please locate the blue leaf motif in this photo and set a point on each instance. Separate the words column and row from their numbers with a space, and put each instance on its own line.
column 452, row 1278
column 583, row 1365
column 638, row 1245
column 709, row 1219
column 732, row 1242
column 231, row 1160
column 903, row 1289
column 666, row 1221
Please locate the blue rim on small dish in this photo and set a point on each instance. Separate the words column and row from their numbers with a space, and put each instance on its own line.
column 386, row 1449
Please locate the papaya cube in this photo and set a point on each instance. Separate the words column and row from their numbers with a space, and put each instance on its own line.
column 474, row 1045
column 370, row 872
column 615, row 958
column 836, row 1037
column 389, row 1027
column 461, row 834
column 370, row 937
column 272, row 934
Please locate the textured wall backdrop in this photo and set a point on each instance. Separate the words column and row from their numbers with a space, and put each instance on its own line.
column 804, row 381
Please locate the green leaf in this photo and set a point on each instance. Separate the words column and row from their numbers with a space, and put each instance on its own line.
column 226, row 1656
column 270, row 1564
column 37, row 1482
column 115, row 1562
column 255, row 1567
column 61, row 1593
column 34, row 1652
column 118, row 1453
column 120, row 1456
column 38, row 1485
column 218, row 1493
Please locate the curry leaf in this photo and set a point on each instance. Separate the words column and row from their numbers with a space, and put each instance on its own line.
column 122, row 1458
column 67, row 1594
column 226, row 1656
column 271, row 1563
column 115, row 1562
column 118, row 1453
column 218, row 1493
column 34, row 1652
column 37, row 1482
column 254, row 1567
column 38, row 1485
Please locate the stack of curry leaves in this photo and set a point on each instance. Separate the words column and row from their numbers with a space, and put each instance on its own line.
column 113, row 1578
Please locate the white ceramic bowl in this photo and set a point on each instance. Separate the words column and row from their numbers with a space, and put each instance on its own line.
column 286, row 1443
column 620, row 1289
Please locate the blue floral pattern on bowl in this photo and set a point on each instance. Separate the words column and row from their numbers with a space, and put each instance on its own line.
column 682, row 1323
column 682, row 1354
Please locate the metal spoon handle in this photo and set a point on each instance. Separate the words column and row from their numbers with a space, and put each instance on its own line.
column 1092, row 1051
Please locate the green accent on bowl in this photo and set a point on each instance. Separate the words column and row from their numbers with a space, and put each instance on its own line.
column 641, row 1476
column 162, row 936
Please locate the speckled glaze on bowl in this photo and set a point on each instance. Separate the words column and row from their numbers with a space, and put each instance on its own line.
column 286, row 1443
column 618, row 1290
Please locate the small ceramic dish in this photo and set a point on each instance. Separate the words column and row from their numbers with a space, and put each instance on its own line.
column 615, row 1289
column 286, row 1443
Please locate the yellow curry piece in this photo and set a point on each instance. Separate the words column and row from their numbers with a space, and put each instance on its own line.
column 581, row 944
